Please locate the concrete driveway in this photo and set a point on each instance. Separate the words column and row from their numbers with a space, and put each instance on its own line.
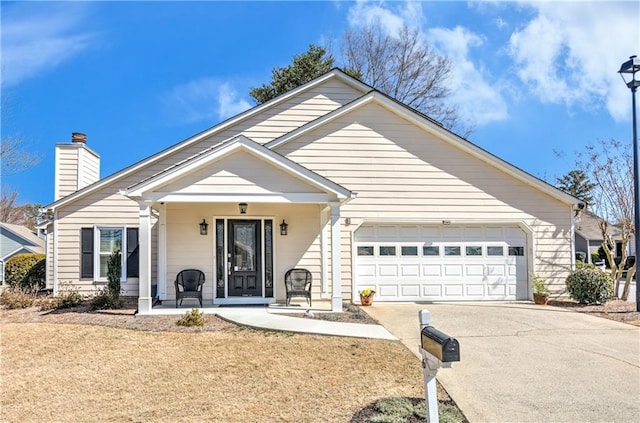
column 528, row 363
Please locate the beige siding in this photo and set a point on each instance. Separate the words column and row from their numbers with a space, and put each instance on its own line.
column 239, row 173
column 89, row 168
column 66, row 171
column 402, row 173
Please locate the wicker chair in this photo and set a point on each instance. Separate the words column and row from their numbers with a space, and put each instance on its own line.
column 298, row 283
column 189, row 285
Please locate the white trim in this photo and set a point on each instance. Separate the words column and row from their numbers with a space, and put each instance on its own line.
column 145, row 188
column 96, row 252
column 433, row 128
column 144, row 247
column 55, row 252
column 336, row 274
column 573, row 241
column 324, row 252
column 162, row 254
column 17, row 250
column 80, row 172
column 334, row 73
column 531, row 255
column 235, row 198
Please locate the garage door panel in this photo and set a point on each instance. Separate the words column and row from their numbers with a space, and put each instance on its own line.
column 444, row 262
column 387, row 291
column 453, row 290
column 366, row 270
column 431, row 270
column 474, row 270
column 410, row 290
column 410, row 270
column 453, row 270
column 474, row 290
column 434, row 291
column 388, row 270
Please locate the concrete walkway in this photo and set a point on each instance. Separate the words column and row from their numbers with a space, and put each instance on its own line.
column 261, row 318
column 527, row 363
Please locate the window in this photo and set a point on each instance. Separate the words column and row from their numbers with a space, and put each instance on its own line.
column 430, row 250
column 387, row 251
column 409, row 251
column 516, row 251
column 475, row 250
column 98, row 243
column 452, row 251
column 109, row 240
column 365, row 251
column 495, row 251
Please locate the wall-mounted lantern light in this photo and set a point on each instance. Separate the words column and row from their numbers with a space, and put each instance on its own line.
column 203, row 227
column 284, row 228
column 243, row 208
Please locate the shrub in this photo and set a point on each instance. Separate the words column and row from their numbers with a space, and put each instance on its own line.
column 17, row 271
column 192, row 318
column 14, row 298
column 582, row 265
column 595, row 257
column 590, row 286
column 114, row 272
column 103, row 300
column 581, row 256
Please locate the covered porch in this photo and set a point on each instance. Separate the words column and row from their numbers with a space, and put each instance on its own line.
column 242, row 215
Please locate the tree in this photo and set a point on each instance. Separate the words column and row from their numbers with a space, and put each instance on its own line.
column 305, row 67
column 11, row 212
column 577, row 183
column 610, row 166
column 404, row 67
column 14, row 158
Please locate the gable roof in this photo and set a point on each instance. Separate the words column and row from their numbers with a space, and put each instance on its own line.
column 228, row 147
column 26, row 239
column 588, row 227
column 433, row 127
column 334, row 73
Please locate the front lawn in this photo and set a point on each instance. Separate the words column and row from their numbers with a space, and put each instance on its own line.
column 69, row 372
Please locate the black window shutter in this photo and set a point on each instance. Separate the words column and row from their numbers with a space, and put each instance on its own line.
column 133, row 258
column 86, row 247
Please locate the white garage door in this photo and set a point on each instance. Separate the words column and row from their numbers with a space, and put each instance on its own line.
column 432, row 263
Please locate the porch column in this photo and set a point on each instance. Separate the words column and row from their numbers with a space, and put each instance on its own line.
column 162, row 253
column 144, row 242
column 336, row 280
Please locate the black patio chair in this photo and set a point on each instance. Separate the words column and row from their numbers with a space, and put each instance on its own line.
column 189, row 285
column 297, row 283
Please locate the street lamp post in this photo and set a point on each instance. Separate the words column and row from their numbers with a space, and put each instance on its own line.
column 632, row 66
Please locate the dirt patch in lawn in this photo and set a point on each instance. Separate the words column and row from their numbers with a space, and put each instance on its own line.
column 71, row 372
column 618, row 310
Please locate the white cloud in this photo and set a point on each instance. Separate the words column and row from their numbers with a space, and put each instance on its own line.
column 570, row 51
column 473, row 95
column 392, row 20
column 39, row 37
column 478, row 100
column 205, row 99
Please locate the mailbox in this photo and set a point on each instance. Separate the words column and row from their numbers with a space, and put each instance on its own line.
column 440, row 345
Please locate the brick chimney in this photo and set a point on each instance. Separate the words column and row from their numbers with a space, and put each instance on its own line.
column 76, row 167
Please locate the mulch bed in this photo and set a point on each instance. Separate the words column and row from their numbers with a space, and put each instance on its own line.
column 618, row 310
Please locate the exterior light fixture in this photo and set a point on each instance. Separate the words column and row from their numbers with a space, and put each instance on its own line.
column 203, row 227
column 243, row 208
column 284, row 228
column 630, row 67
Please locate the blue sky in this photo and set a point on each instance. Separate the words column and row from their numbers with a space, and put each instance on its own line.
column 136, row 77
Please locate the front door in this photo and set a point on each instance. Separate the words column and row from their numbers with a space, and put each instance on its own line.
column 243, row 256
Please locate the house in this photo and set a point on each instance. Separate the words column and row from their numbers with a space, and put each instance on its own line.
column 334, row 177
column 588, row 236
column 17, row 239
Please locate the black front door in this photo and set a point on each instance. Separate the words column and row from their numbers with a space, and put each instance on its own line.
column 243, row 256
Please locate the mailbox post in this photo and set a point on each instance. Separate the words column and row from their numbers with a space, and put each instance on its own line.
column 437, row 350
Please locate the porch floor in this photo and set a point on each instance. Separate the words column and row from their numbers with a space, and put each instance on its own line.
column 275, row 317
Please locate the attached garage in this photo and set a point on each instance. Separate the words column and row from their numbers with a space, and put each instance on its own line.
column 441, row 263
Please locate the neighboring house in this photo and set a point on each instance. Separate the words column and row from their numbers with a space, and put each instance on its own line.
column 372, row 193
column 588, row 235
column 17, row 239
